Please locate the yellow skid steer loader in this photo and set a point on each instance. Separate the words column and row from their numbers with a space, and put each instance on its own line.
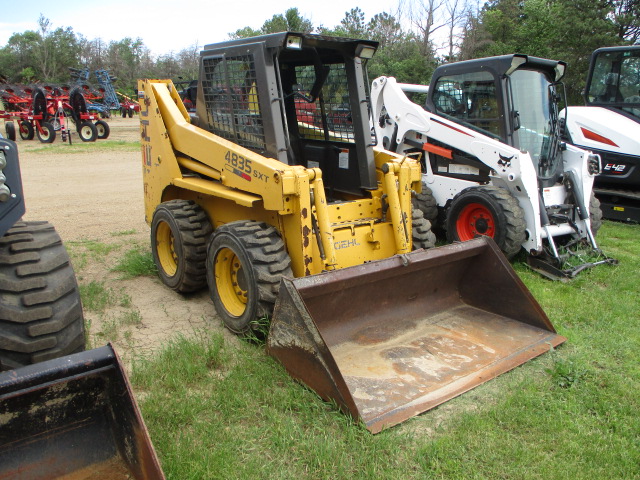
column 273, row 194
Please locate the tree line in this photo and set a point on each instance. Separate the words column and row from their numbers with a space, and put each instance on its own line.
column 415, row 37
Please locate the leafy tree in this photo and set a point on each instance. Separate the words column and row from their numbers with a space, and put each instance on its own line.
column 625, row 15
column 19, row 54
column 353, row 25
column 404, row 61
column 124, row 59
column 245, row 32
column 385, row 29
column 290, row 21
column 566, row 30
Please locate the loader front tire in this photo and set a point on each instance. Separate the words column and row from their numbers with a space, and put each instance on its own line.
column 40, row 308
column 179, row 233
column 489, row 211
column 245, row 262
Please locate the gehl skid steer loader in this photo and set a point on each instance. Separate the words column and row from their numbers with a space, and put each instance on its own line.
column 273, row 193
column 494, row 163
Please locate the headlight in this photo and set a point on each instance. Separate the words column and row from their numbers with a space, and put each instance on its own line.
column 593, row 164
column 294, row 42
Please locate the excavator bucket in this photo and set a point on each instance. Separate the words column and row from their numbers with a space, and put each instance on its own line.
column 390, row 339
column 73, row 418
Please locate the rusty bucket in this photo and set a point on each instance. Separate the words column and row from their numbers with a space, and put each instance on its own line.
column 73, row 418
column 391, row 339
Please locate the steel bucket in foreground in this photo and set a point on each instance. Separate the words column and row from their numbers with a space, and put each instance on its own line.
column 73, row 418
column 391, row 339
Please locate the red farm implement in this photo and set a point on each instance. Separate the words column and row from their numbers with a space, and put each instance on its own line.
column 43, row 111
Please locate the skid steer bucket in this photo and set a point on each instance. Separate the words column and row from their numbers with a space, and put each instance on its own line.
column 391, row 339
column 73, row 418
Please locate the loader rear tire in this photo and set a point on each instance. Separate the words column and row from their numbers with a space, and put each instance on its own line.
column 40, row 308
column 245, row 262
column 427, row 203
column 421, row 232
column 180, row 230
column 490, row 211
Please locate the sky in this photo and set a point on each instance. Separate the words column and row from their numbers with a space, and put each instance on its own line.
column 167, row 26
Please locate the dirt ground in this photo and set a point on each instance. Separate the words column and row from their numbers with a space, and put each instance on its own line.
column 94, row 199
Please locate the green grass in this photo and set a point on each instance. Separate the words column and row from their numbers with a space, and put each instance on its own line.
column 82, row 251
column 96, row 297
column 224, row 409
column 136, row 262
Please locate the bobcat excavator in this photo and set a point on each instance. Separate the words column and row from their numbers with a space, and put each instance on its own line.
column 494, row 164
column 273, row 195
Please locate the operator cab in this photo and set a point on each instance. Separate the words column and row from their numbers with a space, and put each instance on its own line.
column 298, row 98
column 614, row 80
column 512, row 98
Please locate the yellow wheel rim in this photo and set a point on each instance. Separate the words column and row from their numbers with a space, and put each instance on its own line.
column 230, row 282
column 165, row 248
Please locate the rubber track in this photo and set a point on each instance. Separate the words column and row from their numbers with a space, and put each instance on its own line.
column 40, row 308
column 195, row 230
column 269, row 257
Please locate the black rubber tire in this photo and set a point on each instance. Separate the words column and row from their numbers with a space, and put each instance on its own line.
column 421, row 233
column 40, row 308
column 188, row 234
column 595, row 214
column 78, row 105
column 39, row 104
column 48, row 134
column 508, row 216
column 87, row 132
column 10, row 130
column 263, row 262
column 426, row 203
column 103, row 129
column 27, row 132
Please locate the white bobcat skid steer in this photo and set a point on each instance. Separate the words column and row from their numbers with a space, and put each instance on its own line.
column 493, row 160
